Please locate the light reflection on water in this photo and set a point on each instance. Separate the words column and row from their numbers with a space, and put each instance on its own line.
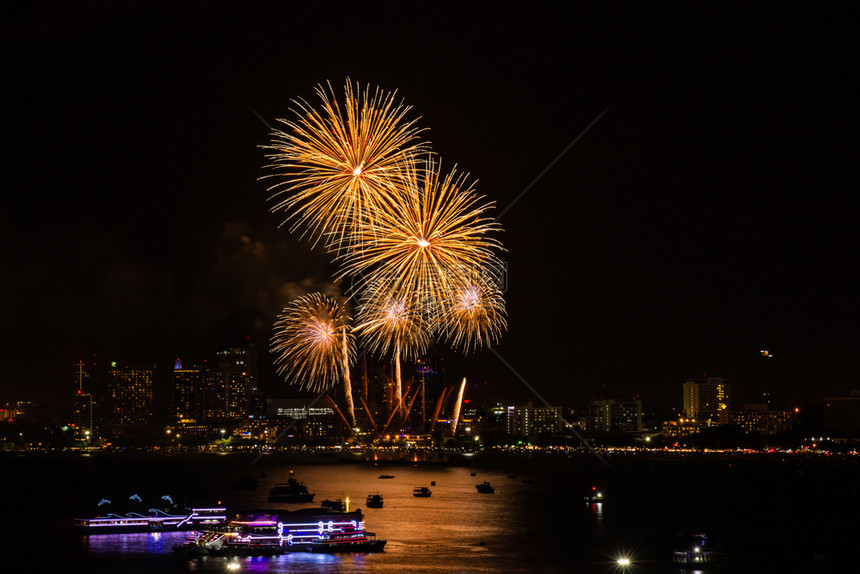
column 539, row 526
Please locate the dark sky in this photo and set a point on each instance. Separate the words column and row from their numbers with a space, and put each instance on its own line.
column 711, row 212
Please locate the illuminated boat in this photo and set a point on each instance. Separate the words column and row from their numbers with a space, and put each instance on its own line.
column 155, row 520
column 290, row 491
column 421, row 491
column 485, row 488
column 339, row 543
column 272, row 532
column 698, row 554
column 596, row 495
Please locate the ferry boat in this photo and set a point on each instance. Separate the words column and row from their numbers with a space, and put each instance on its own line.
column 374, row 501
column 155, row 519
column 290, row 491
column 421, row 491
column 272, row 532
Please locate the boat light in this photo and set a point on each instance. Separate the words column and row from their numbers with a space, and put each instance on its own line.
column 624, row 561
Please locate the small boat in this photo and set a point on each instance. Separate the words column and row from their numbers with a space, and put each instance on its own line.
column 596, row 495
column 336, row 504
column 485, row 488
column 699, row 553
column 432, row 483
column 472, row 474
column 386, row 476
column 290, row 491
column 341, row 542
column 374, row 501
column 421, row 491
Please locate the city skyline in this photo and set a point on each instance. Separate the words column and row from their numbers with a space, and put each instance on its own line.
column 675, row 187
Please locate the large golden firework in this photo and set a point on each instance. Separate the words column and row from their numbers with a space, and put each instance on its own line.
column 339, row 165
column 431, row 240
column 473, row 316
column 312, row 342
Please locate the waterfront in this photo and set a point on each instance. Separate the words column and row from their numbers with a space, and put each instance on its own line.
column 775, row 514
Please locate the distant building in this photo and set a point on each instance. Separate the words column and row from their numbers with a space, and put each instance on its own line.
column 239, row 369
column 684, row 427
column 306, row 420
column 759, row 419
column 842, row 413
column 707, row 398
column 214, row 394
column 187, row 393
column 532, row 422
column 129, row 397
column 614, row 415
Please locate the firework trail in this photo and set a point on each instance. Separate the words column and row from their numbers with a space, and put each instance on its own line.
column 339, row 164
column 396, row 325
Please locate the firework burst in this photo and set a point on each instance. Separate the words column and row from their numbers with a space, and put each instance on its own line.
column 311, row 338
column 473, row 316
column 434, row 237
column 339, row 164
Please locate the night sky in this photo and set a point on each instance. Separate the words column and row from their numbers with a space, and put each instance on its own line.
column 712, row 211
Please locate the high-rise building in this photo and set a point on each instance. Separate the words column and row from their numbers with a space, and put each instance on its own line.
column 187, row 393
column 129, row 394
column 239, row 368
column 85, row 416
column 766, row 357
column 214, row 394
column 706, row 398
column 615, row 415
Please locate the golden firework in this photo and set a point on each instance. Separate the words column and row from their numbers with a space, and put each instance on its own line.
column 430, row 241
column 473, row 316
column 310, row 341
column 339, row 165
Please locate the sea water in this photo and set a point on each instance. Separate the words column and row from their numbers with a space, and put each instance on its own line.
column 772, row 514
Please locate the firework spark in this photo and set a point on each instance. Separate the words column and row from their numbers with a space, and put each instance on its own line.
column 308, row 342
column 433, row 238
column 339, row 164
column 473, row 316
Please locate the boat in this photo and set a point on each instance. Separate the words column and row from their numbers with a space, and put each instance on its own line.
column 421, row 492
column 170, row 517
column 338, row 543
column 272, row 532
column 386, row 476
column 374, row 501
column 596, row 495
column 485, row 488
column 336, row 504
column 698, row 553
column 290, row 491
